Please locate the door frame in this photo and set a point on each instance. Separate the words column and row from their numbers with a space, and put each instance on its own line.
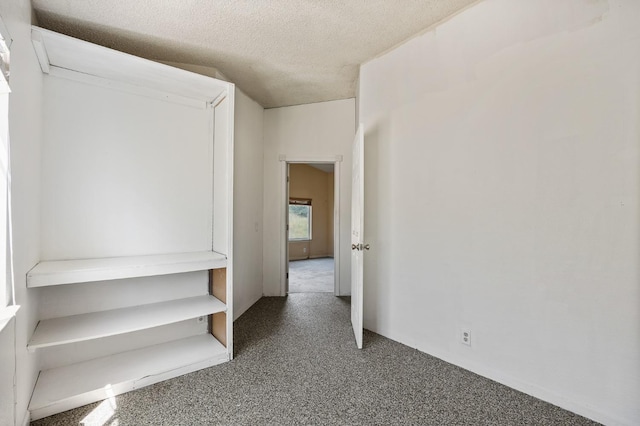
column 284, row 209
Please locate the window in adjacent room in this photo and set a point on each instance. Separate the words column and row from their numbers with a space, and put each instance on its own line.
column 299, row 219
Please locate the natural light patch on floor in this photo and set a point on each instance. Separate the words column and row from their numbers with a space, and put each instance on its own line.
column 101, row 415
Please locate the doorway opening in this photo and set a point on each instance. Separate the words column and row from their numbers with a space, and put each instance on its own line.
column 311, row 228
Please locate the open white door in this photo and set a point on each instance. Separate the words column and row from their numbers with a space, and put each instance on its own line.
column 357, row 234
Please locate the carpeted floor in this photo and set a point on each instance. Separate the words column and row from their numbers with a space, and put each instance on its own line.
column 311, row 275
column 296, row 363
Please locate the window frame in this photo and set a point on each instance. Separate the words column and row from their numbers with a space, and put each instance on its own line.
column 293, row 201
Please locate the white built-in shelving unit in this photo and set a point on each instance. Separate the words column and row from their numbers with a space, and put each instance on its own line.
column 137, row 192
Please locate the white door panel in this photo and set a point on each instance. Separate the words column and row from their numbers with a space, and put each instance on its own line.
column 357, row 235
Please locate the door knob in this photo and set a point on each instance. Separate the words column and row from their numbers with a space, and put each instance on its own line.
column 362, row 247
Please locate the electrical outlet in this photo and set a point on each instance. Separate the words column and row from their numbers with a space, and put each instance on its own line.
column 465, row 336
column 200, row 320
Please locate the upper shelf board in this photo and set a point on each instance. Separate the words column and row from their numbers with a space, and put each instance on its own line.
column 61, row 51
column 88, row 270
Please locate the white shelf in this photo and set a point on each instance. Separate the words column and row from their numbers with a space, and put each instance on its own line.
column 94, row 325
column 63, row 388
column 86, row 270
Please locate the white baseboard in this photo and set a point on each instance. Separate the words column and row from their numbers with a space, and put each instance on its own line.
column 536, row 391
column 237, row 313
column 315, row 256
column 298, row 258
column 550, row 397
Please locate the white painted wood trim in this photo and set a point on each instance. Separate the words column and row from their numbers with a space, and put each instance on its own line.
column 285, row 161
column 125, row 87
column 323, row 159
column 231, row 98
column 87, row 270
column 287, row 252
column 94, row 325
column 284, row 248
column 72, row 386
column 210, row 153
column 336, row 226
column 74, row 54
column 41, row 51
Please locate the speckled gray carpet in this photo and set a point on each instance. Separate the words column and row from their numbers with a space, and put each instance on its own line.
column 311, row 275
column 296, row 363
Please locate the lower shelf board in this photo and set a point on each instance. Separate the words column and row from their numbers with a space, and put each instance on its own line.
column 75, row 385
column 94, row 325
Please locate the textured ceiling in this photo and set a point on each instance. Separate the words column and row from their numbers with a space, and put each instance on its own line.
column 279, row 52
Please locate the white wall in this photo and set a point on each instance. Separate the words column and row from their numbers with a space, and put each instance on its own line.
column 7, row 372
column 502, row 182
column 320, row 130
column 123, row 174
column 247, row 199
column 25, row 127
